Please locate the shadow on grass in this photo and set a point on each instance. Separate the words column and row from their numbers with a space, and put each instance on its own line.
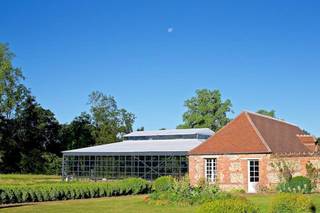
column 16, row 205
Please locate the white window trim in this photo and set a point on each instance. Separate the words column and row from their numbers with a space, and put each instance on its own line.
column 213, row 165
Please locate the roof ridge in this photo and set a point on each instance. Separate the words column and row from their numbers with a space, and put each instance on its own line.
column 271, row 118
column 258, row 132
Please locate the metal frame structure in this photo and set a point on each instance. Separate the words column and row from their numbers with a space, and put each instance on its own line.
column 116, row 166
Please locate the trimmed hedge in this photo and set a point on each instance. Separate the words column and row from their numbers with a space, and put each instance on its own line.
column 73, row 190
column 288, row 203
column 231, row 205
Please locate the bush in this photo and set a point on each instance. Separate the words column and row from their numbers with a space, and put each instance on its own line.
column 228, row 205
column 179, row 192
column 73, row 190
column 164, row 183
column 287, row 203
column 297, row 184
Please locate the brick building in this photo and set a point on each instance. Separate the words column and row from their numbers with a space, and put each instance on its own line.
column 241, row 153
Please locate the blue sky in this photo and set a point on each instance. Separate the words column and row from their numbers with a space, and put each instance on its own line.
column 259, row 54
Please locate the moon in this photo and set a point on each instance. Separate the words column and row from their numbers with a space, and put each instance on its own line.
column 170, row 30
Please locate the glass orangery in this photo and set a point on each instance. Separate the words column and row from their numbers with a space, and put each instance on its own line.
column 145, row 154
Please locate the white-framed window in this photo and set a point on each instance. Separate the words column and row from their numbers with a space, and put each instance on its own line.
column 211, row 169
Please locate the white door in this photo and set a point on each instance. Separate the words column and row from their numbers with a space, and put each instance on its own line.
column 253, row 175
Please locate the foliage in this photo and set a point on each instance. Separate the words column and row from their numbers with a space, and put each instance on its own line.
column 284, row 169
column 297, row 184
column 111, row 122
column 132, row 204
column 31, row 138
column 37, row 132
column 164, row 183
column 313, row 173
column 52, row 164
column 181, row 193
column 206, row 110
column 287, row 203
column 24, row 139
column 140, row 129
column 271, row 113
column 79, row 133
column 12, row 91
column 74, row 190
column 230, row 205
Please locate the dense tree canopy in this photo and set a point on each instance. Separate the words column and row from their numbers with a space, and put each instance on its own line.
column 206, row 109
column 25, row 139
column 271, row 113
column 79, row 133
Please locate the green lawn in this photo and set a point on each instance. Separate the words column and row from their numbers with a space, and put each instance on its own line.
column 27, row 179
column 124, row 204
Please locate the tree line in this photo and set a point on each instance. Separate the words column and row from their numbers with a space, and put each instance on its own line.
column 31, row 138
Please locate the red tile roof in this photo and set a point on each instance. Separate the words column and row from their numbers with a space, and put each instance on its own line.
column 253, row 133
column 309, row 141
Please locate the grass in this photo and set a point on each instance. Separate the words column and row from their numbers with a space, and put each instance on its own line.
column 132, row 204
column 264, row 201
column 126, row 204
column 27, row 179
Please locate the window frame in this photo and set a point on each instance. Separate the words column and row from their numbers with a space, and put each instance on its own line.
column 210, row 167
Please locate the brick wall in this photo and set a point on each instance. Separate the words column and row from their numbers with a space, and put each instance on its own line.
column 233, row 169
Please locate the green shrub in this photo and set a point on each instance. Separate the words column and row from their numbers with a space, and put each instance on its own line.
column 164, row 183
column 181, row 193
column 297, row 184
column 73, row 190
column 288, row 203
column 228, row 205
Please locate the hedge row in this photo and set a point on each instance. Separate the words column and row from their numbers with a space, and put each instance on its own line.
column 73, row 190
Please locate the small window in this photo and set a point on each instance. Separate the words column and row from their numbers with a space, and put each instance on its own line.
column 254, row 171
column 211, row 169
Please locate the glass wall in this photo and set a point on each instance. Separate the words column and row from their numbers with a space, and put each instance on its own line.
column 115, row 167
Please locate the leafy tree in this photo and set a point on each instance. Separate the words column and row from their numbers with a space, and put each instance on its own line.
column 270, row 113
column 9, row 149
column 140, row 129
column 111, row 123
column 52, row 165
column 79, row 133
column 206, row 109
column 37, row 132
column 12, row 91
